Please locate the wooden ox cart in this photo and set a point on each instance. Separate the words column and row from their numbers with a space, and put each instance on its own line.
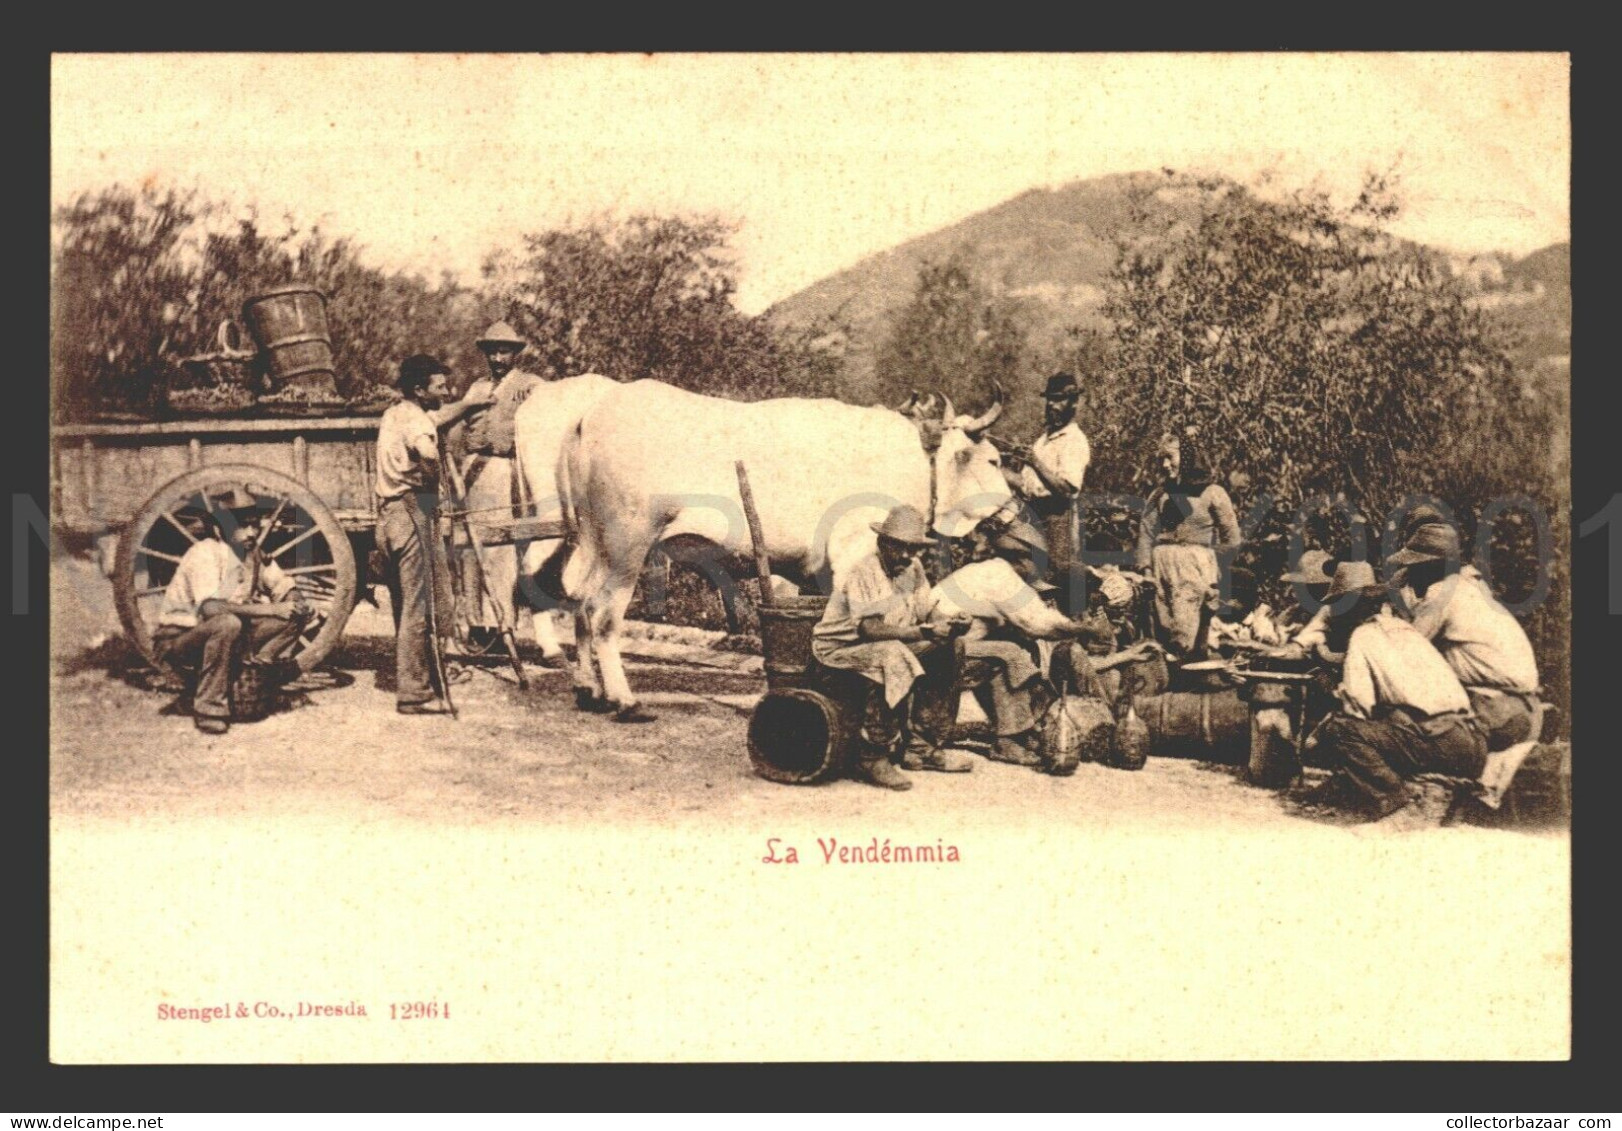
column 131, row 489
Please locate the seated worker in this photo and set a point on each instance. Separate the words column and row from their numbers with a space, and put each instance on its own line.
column 878, row 623
column 1007, row 601
column 1243, row 620
column 1312, row 576
column 1453, row 608
column 1403, row 711
column 226, row 604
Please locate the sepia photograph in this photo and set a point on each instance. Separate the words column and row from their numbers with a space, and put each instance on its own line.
column 810, row 557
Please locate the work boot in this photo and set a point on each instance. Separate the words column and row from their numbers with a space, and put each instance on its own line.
column 921, row 755
column 1017, row 749
column 880, row 771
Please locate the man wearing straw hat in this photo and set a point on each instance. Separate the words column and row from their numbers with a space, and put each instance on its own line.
column 487, row 442
column 879, row 622
column 225, row 605
column 1403, row 713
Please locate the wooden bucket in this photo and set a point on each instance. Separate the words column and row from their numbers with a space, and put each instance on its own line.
column 290, row 326
column 797, row 736
column 785, row 638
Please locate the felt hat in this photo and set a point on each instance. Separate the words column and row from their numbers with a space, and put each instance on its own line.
column 1353, row 577
column 234, row 499
column 1062, row 386
column 500, row 334
column 1311, row 569
column 1433, row 541
column 904, row 524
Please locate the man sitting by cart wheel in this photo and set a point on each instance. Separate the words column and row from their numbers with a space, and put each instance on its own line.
column 227, row 605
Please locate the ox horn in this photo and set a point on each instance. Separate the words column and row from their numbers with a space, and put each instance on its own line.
column 987, row 418
column 910, row 406
column 948, row 413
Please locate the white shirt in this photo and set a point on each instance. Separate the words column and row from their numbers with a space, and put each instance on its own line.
column 211, row 571
column 1388, row 663
column 1481, row 640
column 1067, row 453
column 992, row 592
column 399, row 470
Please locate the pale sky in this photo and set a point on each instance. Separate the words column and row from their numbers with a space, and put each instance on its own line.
column 431, row 161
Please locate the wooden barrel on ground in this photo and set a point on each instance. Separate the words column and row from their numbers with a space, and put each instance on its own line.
column 797, row 736
column 290, row 326
column 1213, row 725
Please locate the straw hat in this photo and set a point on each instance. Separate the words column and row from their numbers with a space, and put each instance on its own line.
column 904, row 524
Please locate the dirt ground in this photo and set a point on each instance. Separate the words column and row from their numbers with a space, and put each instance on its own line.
column 336, row 748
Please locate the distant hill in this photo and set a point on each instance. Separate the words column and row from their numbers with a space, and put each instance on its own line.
column 1052, row 249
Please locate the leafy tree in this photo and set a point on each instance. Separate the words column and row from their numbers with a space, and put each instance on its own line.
column 956, row 338
column 122, row 279
column 652, row 297
column 1331, row 366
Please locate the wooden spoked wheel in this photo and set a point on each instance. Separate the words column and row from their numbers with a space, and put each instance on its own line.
column 300, row 534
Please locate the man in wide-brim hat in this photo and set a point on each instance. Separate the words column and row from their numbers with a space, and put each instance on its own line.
column 1452, row 606
column 1007, row 598
column 878, row 623
column 484, row 450
column 226, row 603
column 1403, row 712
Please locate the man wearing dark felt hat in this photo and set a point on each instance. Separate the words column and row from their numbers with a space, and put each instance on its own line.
column 1051, row 478
column 226, row 604
column 1403, row 711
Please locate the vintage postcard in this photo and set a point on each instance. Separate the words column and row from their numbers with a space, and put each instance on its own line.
column 810, row 557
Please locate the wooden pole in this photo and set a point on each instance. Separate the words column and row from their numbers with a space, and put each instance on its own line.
column 762, row 563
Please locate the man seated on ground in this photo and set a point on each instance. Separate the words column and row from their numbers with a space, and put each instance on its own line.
column 878, row 623
column 1403, row 711
column 1452, row 607
column 227, row 604
column 1007, row 600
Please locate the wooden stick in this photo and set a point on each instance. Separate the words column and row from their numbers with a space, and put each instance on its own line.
column 762, row 561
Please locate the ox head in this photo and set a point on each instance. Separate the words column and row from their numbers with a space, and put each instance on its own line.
column 969, row 484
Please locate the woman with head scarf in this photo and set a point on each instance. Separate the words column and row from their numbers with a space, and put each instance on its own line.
column 1188, row 521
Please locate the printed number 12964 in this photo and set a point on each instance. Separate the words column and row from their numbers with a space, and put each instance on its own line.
column 415, row 1010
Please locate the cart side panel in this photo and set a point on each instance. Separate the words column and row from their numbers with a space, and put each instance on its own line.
column 340, row 471
column 102, row 486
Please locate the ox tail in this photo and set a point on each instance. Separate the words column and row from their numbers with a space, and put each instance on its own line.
column 581, row 551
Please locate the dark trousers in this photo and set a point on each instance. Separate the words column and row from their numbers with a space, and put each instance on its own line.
column 1378, row 755
column 405, row 534
column 210, row 647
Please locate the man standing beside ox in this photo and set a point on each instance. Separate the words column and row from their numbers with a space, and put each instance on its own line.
column 407, row 487
column 1051, row 479
column 485, row 447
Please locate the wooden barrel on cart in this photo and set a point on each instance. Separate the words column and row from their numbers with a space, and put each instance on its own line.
column 290, row 326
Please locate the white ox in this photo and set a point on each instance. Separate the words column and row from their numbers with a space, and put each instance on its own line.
column 547, row 415
column 654, row 464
